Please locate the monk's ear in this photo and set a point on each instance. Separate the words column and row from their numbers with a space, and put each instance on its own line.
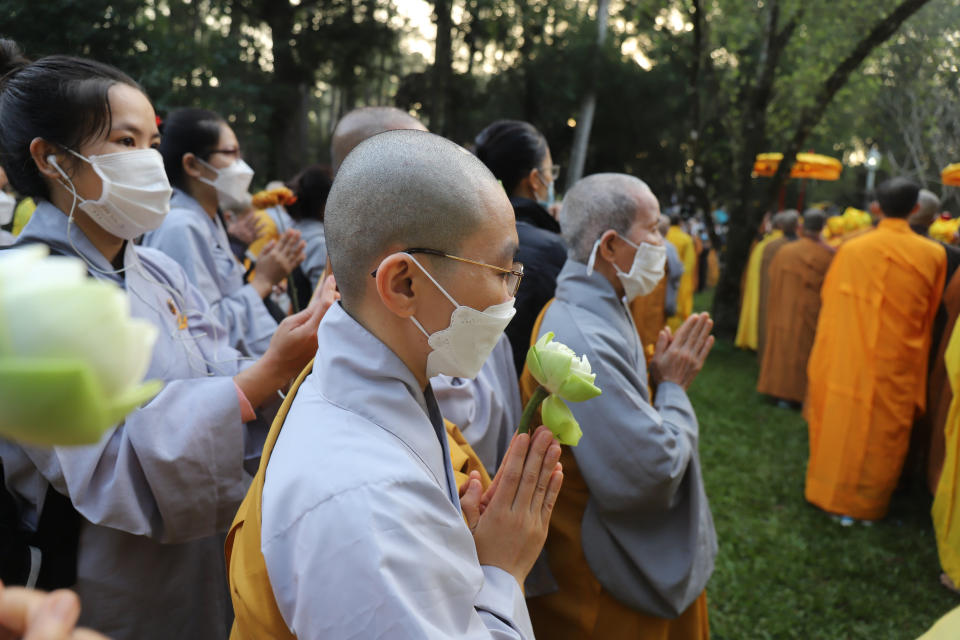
column 607, row 248
column 191, row 166
column 395, row 284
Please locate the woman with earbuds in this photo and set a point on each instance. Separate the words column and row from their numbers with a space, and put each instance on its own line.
column 135, row 524
column 205, row 166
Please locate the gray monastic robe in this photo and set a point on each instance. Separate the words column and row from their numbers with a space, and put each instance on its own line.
column 648, row 533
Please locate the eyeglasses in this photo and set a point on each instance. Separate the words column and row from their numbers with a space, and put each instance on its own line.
column 228, row 152
column 512, row 276
column 555, row 172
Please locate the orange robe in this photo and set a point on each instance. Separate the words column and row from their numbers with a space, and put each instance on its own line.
column 683, row 243
column 793, row 306
column 940, row 393
column 583, row 609
column 769, row 253
column 868, row 368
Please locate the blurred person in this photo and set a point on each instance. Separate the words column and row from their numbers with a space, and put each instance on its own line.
column 205, row 166
column 747, row 327
column 360, row 124
column 687, row 251
column 134, row 523
column 793, row 307
column 787, row 221
column 310, row 187
column 867, row 375
column 519, row 156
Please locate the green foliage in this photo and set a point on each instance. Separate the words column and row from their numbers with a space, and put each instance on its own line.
column 785, row 569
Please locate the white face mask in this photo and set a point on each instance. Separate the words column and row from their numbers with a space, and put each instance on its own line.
column 8, row 205
column 645, row 273
column 135, row 196
column 461, row 349
column 231, row 182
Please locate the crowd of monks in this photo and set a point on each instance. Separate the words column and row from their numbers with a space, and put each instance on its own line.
column 353, row 469
column 853, row 318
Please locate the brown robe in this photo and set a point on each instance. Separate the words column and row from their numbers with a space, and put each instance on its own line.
column 649, row 313
column 769, row 252
column 793, row 298
column 939, row 393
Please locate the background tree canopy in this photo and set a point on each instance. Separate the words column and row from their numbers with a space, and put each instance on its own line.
column 687, row 91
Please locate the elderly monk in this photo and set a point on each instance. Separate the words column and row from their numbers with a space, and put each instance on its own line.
column 747, row 328
column 632, row 544
column 868, row 368
column 650, row 312
column 485, row 411
column 357, row 529
column 793, row 306
column 684, row 245
column 788, row 221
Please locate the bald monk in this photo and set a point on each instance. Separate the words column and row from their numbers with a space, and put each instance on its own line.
column 485, row 411
column 793, row 306
column 684, row 245
column 747, row 328
column 788, row 221
column 650, row 312
column 868, row 368
column 360, row 124
column 632, row 543
column 357, row 530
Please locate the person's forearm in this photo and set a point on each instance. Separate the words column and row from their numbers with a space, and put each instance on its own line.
column 261, row 285
column 261, row 381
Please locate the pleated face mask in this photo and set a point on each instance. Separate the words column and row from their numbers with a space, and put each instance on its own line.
column 645, row 273
column 232, row 183
column 135, row 196
column 463, row 347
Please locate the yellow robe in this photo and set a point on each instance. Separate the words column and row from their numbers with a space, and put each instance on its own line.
column 683, row 243
column 256, row 614
column 946, row 503
column 747, row 328
column 867, row 373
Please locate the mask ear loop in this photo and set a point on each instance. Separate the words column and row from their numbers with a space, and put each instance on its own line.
column 436, row 284
column 176, row 295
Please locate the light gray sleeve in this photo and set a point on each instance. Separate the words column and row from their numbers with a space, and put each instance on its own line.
column 388, row 561
column 173, row 471
column 238, row 307
column 632, row 456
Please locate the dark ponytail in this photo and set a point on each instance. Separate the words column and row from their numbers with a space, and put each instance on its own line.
column 184, row 131
column 511, row 149
column 61, row 99
column 311, row 186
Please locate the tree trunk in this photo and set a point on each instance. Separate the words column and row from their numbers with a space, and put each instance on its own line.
column 581, row 138
column 442, row 66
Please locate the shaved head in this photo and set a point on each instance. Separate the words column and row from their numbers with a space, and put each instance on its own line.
column 360, row 124
column 929, row 207
column 600, row 202
column 813, row 221
column 787, row 221
column 401, row 190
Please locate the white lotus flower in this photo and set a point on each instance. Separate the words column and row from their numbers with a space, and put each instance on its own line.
column 71, row 357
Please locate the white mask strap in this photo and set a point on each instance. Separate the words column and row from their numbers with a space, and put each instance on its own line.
column 442, row 290
column 593, row 257
column 420, row 326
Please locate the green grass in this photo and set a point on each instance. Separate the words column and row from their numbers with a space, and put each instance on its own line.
column 784, row 569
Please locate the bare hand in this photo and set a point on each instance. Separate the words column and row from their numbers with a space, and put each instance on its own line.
column 37, row 615
column 326, row 294
column 679, row 358
column 279, row 258
column 244, row 228
column 510, row 521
